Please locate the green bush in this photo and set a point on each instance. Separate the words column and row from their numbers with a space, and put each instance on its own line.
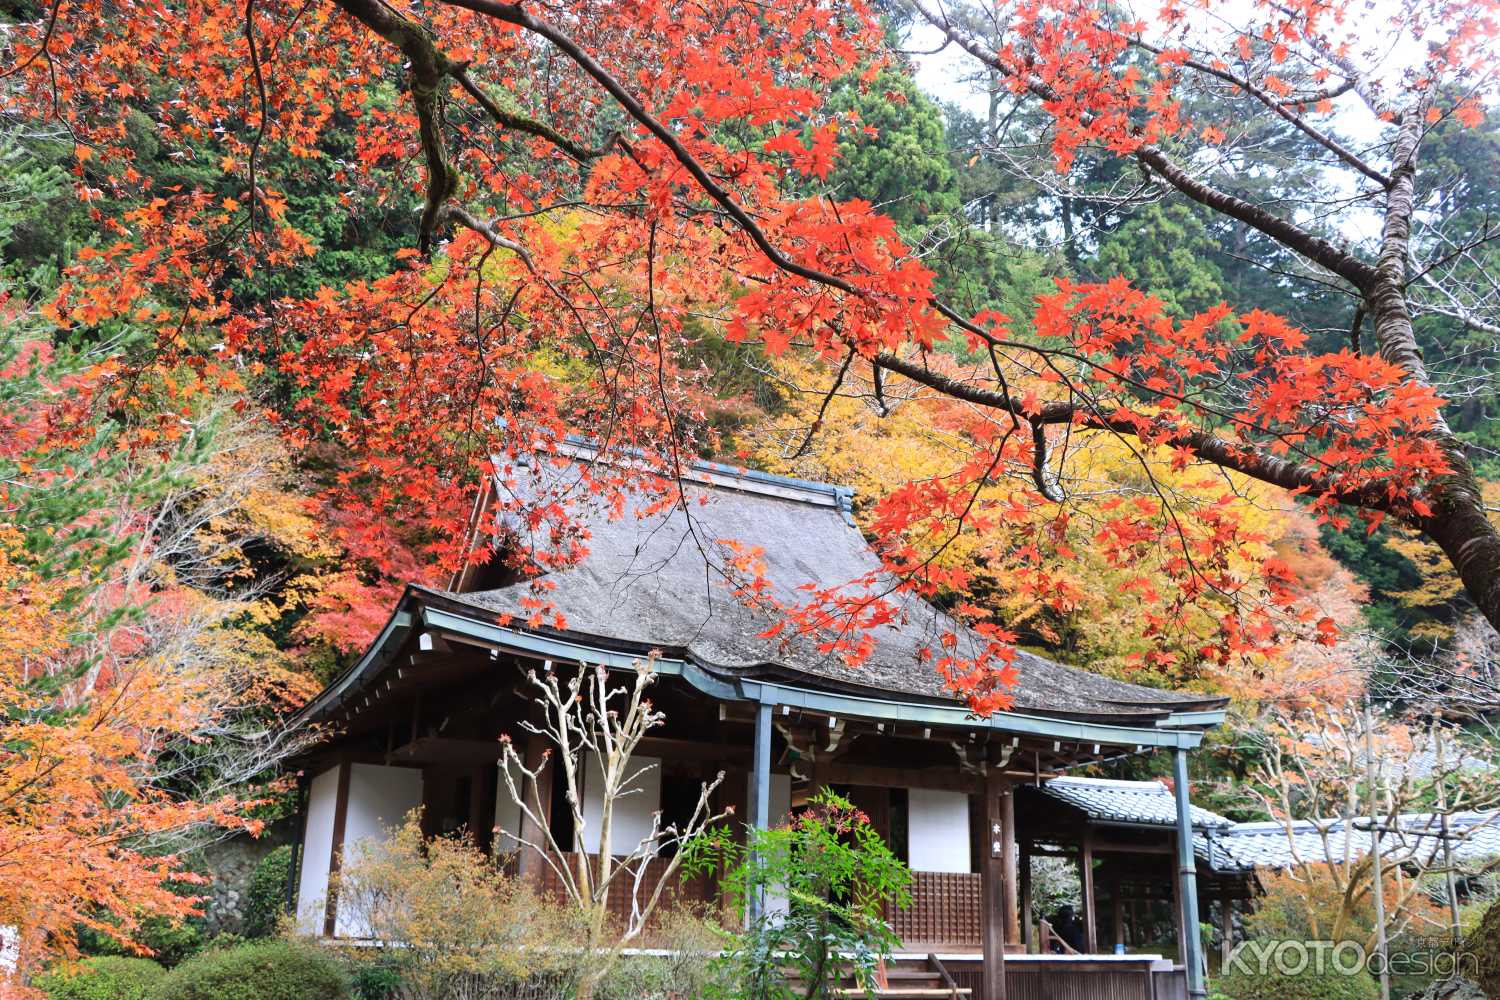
column 262, row 970
column 1313, row 983
column 265, row 900
column 108, row 977
column 689, row 967
column 168, row 943
column 657, row 977
column 838, row 876
column 374, row 980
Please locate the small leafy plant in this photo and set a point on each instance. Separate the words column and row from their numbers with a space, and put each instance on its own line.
column 821, row 885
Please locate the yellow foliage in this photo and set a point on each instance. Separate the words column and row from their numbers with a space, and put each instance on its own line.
column 1440, row 588
column 1091, row 610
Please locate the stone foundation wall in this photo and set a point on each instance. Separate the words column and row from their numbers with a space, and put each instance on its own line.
column 230, row 863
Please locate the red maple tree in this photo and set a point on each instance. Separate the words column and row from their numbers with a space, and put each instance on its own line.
column 593, row 182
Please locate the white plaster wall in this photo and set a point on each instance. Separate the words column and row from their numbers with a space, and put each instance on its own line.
column 631, row 820
column 317, row 851
column 379, row 799
column 937, row 830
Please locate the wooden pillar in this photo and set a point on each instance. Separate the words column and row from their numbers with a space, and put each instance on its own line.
column 1189, row 944
column 992, row 887
column 299, row 836
column 1176, row 886
column 1028, row 928
column 1226, row 925
column 875, row 803
column 1117, row 911
column 530, row 864
column 734, row 791
column 1011, row 924
column 760, row 788
column 336, row 855
column 482, row 807
column 1086, row 875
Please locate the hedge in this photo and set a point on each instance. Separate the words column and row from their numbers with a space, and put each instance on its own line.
column 109, row 977
column 260, row 970
column 1318, row 981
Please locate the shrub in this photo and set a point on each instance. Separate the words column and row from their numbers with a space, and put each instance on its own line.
column 691, row 968
column 108, row 977
column 168, row 943
column 462, row 926
column 265, row 901
column 836, row 876
column 261, row 970
column 1316, row 982
column 374, row 980
column 1308, row 906
column 1312, row 905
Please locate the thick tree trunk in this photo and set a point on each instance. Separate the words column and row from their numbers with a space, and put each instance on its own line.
column 1460, row 527
column 1458, row 524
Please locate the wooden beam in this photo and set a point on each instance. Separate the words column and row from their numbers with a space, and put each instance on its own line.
column 945, row 779
column 445, row 751
column 992, row 890
column 1115, row 847
column 716, row 754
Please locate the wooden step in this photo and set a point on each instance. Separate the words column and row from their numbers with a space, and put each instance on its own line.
column 911, row 973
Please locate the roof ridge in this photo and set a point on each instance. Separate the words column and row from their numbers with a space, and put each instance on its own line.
column 1354, row 822
column 1256, row 826
column 1154, row 783
column 721, row 474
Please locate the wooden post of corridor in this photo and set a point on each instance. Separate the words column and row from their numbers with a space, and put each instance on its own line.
column 992, row 890
column 1012, row 921
column 530, row 865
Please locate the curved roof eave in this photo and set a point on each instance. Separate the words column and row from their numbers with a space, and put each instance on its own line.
column 1182, row 729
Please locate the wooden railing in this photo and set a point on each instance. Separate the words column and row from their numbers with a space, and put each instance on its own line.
column 942, row 970
column 697, row 892
column 1049, row 937
column 1078, row 977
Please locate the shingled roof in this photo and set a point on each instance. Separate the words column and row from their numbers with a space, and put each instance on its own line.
column 651, row 580
column 1106, row 800
column 1474, row 837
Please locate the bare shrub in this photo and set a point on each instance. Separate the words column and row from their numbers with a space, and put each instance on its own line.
column 458, row 927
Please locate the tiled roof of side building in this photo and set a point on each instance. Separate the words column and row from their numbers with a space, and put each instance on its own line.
column 1418, row 837
column 656, row 579
column 1109, row 801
